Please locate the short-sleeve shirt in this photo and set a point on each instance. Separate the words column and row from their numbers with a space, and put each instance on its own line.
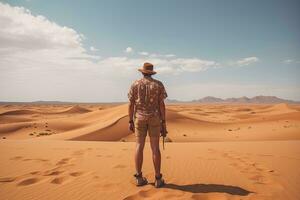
column 146, row 95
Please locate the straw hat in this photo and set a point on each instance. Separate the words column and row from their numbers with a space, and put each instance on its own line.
column 147, row 69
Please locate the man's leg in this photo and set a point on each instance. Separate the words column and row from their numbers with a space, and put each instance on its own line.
column 154, row 141
column 140, row 143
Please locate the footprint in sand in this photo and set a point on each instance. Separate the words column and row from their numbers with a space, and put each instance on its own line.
column 141, row 194
column 35, row 173
column 75, row 174
column 63, row 161
column 36, row 159
column 7, row 179
column 156, row 194
column 120, row 166
column 28, row 181
column 53, row 173
column 16, row 158
column 59, row 180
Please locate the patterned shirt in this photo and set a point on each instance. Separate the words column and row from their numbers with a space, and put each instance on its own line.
column 146, row 95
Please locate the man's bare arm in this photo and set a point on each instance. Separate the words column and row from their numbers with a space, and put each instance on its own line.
column 131, row 110
column 162, row 110
column 130, row 114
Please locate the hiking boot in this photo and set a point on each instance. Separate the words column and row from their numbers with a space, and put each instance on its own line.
column 159, row 181
column 140, row 180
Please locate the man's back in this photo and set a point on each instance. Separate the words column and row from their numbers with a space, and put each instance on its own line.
column 146, row 94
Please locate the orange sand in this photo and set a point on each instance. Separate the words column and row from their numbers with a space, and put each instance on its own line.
column 237, row 152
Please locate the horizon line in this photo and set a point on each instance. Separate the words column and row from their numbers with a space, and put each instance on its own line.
column 168, row 99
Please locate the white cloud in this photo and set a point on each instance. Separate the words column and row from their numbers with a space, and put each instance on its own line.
column 157, row 55
column 193, row 64
column 290, row 61
column 162, row 65
column 128, row 50
column 93, row 49
column 21, row 31
column 169, row 55
column 40, row 59
column 144, row 53
column 247, row 61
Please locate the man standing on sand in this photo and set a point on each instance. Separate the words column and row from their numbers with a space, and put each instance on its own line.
column 147, row 114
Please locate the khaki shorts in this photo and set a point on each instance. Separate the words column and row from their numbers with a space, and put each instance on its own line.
column 151, row 125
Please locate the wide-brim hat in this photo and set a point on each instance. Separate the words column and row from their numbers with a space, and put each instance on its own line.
column 147, row 69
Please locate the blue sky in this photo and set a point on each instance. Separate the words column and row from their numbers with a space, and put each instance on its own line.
column 200, row 48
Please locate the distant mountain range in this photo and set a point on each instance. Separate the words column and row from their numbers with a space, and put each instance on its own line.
column 244, row 99
column 208, row 99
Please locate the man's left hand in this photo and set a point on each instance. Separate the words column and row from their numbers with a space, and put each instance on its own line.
column 163, row 129
column 131, row 126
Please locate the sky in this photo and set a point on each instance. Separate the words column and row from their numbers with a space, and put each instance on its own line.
column 89, row 51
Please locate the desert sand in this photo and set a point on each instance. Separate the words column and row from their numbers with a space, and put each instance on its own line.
column 214, row 151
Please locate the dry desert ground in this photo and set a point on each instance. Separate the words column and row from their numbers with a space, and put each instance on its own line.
column 214, row 151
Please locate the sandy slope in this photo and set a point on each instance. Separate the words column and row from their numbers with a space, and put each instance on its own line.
column 52, row 169
column 237, row 152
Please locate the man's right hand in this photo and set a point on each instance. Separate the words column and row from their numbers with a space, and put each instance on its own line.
column 163, row 129
column 131, row 126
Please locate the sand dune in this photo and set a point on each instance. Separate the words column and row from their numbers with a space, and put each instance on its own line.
column 113, row 132
column 73, row 110
column 278, row 109
column 19, row 112
column 76, row 109
column 217, row 151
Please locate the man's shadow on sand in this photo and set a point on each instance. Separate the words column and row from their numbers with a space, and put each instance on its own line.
column 208, row 188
